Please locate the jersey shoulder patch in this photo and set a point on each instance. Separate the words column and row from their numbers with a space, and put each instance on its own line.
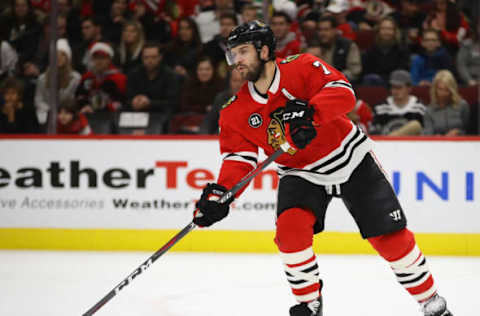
column 289, row 59
column 230, row 101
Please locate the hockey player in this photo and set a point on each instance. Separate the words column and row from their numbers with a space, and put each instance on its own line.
column 302, row 102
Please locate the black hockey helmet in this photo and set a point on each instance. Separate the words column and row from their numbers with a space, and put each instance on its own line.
column 254, row 32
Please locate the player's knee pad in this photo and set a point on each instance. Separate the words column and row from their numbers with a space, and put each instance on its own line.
column 395, row 245
column 294, row 230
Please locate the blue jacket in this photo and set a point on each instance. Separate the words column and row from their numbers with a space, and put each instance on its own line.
column 424, row 67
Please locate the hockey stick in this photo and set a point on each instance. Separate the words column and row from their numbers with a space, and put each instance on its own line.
column 144, row 266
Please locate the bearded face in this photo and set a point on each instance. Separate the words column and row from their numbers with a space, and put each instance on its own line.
column 247, row 63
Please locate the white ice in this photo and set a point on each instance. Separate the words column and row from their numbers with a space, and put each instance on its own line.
column 40, row 283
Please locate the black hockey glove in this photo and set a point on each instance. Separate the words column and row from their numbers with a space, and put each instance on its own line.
column 209, row 211
column 299, row 117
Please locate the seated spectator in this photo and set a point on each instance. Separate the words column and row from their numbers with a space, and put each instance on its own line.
column 409, row 19
column 339, row 10
column 129, row 52
column 153, row 86
column 182, row 52
column 216, row 48
column 24, row 29
column 68, row 80
column 15, row 116
column 248, row 13
column 113, row 24
column 402, row 113
column 468, row 59
column 308, row 26
column 431, row 59
column 338, row 51
column 447, row 19
column 447, row 114
column 8, row 59
column 361, row 115
column 287, row 6
column 73, row 18
column 155, row 23
column 91, row 34
column 210, row 123
column 386, row 55
column 71, row 121
column 40, row 60
column 287, row 43
column 198, row 95
column 200, row 90
column 103, row 87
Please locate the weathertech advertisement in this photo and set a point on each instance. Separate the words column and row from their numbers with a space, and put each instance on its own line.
column 154, row 183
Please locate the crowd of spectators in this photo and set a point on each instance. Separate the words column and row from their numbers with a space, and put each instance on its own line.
column 166, row 59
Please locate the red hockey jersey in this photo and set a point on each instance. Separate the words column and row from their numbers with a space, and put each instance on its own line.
column 250, row 121
column 105, row 91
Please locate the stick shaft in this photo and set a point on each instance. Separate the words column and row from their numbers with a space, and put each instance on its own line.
column 144, row 266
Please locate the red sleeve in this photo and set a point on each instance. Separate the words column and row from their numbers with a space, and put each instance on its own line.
column 330, row 93
column 239, row 156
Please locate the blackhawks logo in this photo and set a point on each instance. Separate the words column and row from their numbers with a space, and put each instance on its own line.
column 276, row 131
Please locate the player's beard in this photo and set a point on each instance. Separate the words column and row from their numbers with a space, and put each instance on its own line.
column 257, row 69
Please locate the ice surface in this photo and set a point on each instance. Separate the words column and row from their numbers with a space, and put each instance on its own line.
column 41, row 283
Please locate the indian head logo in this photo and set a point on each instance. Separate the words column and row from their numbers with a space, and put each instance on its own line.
column 276, row 131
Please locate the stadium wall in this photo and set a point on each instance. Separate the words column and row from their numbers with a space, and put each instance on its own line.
column 134, row 193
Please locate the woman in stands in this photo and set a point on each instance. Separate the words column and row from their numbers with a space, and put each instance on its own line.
column 67, row 78
column 448, row 113
column 200, row 90
column 23, row 31
column 182, row 52
column 129, row 54
column 197, row 97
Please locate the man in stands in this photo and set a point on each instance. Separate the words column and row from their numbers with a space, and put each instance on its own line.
column 91, row 34
column 337, row 50
column 103, row 87
column 401, row 114
column 339, row 10
column 217, row 47
column 287, row 43
column 153, row 86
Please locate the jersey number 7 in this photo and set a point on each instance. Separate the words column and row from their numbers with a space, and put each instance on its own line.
column 318, row 64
